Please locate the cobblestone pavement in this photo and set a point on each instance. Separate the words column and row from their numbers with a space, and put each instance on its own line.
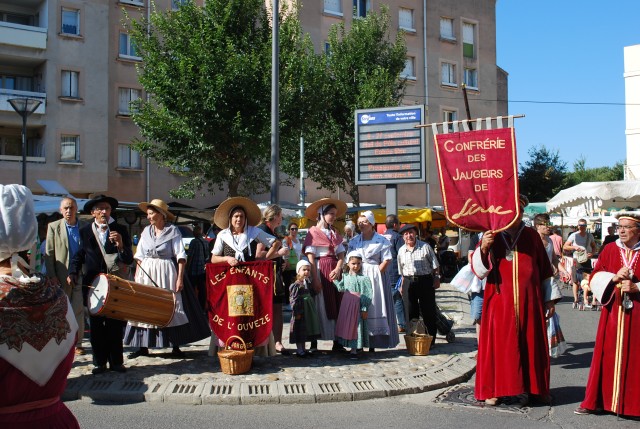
column 325, row 376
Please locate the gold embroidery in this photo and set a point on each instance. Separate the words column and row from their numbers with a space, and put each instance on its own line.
column 240, row 300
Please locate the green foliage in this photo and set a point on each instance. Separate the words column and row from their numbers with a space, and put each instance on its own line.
column 360, row 71
column 207, row 71
column 542, row 176
column 581, row 173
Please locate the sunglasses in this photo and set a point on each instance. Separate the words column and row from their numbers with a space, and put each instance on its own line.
column 293, row 229
column 582, row 224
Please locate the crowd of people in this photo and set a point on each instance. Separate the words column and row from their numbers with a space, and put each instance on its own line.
column 359, row 291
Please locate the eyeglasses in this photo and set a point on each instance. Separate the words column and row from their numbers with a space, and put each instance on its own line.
column 582, row 224
column 364, row 222
column 544, row 223
column 625, row 227
column 293, row 229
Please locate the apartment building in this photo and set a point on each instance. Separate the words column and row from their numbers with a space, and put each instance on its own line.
column 77, row 58
column 632, row 110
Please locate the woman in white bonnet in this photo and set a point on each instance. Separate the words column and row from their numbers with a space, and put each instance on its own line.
column 38, row 328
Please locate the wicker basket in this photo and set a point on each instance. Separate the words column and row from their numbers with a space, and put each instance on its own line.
column 235, row 361
column 418, row 343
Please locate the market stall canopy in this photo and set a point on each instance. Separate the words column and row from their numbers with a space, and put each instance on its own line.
column 596, row 196
column 408, row 214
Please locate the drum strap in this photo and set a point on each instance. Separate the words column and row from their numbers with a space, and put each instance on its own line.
column 146, row 273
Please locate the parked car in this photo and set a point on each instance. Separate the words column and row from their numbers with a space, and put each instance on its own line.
column 187, row 235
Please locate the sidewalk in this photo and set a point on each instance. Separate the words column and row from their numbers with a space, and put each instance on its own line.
column 324, row 377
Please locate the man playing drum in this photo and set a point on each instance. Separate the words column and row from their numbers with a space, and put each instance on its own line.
column 101, row 239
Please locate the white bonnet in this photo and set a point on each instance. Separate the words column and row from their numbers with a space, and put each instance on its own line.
column 301, row 263
column 18, row 225
column 354, row 254
column 349, row 224
column 369, row 215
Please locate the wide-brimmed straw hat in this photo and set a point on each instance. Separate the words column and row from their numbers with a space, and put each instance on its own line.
column 312, row 211
column 88, row 206
column 251, row 210
column 160, row 206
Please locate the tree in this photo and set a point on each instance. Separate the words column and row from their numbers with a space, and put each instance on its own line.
column 581, row 173
column 207, row 71
column 361, row 70
column 542, row 176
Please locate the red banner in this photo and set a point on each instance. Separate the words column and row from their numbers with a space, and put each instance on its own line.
column 241, row 301
column 479, row 178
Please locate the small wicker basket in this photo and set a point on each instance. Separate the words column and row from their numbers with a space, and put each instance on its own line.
column 418, row 344
column 235, row 362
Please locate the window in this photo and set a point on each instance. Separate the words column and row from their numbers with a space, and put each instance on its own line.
column 361, row 7
column 69, row 148
column 19, row 83
column 133, row 2
column 70, row 84
column 126, row 96
column 449, row 74
column 128, row 158
column 333, row 7
column 408, row 71
column 446, row 29
column 175, row 4
column 12, row 145
column 449, row 116
column 468, row 37
column 471, row 78
column 127, row 49
column 70, row 21
column 327, row 48
column 405, row 19
column 17, row 18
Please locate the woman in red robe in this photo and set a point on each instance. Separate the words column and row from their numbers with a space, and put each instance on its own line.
column 614, row 379
column 513, row 354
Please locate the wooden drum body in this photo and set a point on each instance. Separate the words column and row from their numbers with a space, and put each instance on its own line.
column 121, row 299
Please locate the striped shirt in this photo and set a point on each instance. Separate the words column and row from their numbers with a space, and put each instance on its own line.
column 419, row 261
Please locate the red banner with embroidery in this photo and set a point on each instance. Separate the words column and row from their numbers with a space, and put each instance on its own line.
column 241, row 301
column 478, row 173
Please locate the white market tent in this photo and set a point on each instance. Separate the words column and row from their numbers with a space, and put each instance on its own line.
column 592, row 197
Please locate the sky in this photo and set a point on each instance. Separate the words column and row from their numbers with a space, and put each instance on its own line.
column 568, row 51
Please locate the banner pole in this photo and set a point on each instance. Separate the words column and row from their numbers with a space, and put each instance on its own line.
column 466, row 105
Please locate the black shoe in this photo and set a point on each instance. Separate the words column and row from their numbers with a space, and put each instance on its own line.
column 119, row 368
column 301, row 355
column 337, row 347
column 142, row 351
column 354, row 356
column 372, row 350
column 177, row 353
column 99, row 370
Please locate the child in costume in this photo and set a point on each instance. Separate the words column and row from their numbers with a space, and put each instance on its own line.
column 304, row 325
column 351, row 326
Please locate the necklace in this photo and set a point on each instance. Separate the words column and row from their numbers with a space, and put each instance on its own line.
column 511, row 248
column 627, row 304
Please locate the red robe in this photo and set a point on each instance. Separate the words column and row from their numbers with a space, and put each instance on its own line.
column 513, row 352
column 616, row 355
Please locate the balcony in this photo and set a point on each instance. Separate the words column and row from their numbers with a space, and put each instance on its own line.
column 23, row 36
column 7, row 94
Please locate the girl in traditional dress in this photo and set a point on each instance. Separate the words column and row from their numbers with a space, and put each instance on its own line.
column 351, row 327
column 304, row 324
column 324, row 249
column 376, row 256
column 159, row 248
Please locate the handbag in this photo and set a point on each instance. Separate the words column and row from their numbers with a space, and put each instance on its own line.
column 581, row 256
column 466, row 281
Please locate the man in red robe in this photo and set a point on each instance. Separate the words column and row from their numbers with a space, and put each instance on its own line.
column 614, row 379
column 513, row 354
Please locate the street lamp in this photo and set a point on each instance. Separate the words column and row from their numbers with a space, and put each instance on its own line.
column 24, row 107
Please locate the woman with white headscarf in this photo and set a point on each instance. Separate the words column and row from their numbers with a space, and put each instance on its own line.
column 376, row 257
column 37, row 326
column 324, row 249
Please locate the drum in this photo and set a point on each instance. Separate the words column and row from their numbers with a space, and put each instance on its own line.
column 122, row 299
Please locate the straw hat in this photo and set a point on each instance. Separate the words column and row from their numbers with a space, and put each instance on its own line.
column 160, row 206
column 251, row 209
column 312, row 211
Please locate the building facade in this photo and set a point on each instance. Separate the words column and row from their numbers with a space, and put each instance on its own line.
column 76, row 56
column 632, row 110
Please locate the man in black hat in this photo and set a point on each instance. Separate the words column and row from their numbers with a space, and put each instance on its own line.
column 420, row 270
column 102, row 239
